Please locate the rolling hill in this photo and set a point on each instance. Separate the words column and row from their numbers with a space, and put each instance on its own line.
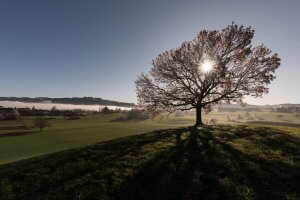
column 213, row 162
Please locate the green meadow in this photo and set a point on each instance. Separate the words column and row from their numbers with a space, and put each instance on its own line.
column 18, row 140
column 231, row 162
column 101, row 157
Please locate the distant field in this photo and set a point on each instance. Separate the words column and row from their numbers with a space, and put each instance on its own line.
column 19, row 141
column 244, row 117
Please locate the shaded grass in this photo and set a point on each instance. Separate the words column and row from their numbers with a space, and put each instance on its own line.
column 220, row 162
column 18, row 133
column 14, row 128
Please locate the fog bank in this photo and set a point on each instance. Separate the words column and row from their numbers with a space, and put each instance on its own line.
column 48, row 106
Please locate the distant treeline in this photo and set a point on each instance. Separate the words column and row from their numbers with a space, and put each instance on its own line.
column 282, row 109
column 72, row 100
column 17, row 113
column 290, row 110
column 224, row 109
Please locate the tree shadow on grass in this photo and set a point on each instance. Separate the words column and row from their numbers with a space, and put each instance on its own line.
column 205, row 165
column 221, row 162
column 84, row 173
column 19, row 133
column 125, row 119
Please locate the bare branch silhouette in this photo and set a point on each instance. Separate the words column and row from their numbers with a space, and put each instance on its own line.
column 216, row 67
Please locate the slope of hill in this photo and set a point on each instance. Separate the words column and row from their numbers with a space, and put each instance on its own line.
column 67, row 100
column 221, row 162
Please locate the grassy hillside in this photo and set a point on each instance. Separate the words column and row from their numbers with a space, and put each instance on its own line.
column 220, row 162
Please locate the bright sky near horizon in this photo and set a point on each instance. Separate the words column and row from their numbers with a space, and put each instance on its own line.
column 61, row 48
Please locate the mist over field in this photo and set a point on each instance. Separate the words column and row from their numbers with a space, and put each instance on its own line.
column 48, row 106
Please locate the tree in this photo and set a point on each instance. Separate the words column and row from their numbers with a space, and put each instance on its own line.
column 105, row 110
column 138, row 114
column 41, row 123
column 54, row 110
column 216, row 67
column 35, row 111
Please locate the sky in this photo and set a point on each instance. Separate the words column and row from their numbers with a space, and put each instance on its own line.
column 76, row 48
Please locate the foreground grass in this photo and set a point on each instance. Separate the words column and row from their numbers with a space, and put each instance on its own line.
column 221, row 162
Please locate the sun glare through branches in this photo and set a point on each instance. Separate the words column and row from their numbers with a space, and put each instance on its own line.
column 207, row 65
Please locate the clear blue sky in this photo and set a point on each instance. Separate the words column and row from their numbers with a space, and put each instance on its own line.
column 97, row 48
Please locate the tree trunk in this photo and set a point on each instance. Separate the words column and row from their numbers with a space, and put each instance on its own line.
column 198, row 116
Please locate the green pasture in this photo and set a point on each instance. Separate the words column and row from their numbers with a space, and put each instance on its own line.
column 18, row 140
column 211, row 162
column 65, row 134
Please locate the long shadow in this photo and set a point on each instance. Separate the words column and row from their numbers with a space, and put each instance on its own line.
column 58, row 169
column 14, row 128
column 266, row 137
column 184, row 163
column 203, row 166
column 184, row 172
column 124, row 119
column 21, row 133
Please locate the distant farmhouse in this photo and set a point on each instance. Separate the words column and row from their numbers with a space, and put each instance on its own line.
column 9, row 113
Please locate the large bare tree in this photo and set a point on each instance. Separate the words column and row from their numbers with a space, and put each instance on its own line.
column 216, row 67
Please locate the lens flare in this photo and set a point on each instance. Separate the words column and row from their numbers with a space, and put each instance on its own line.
column 207, row 66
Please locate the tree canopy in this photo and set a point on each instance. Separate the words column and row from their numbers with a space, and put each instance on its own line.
column 219, row 66
column 41, row 123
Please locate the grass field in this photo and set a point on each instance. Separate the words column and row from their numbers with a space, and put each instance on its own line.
column 213, row 162
column 19, row 141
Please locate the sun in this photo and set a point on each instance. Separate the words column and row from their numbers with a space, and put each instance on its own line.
column 207, row 66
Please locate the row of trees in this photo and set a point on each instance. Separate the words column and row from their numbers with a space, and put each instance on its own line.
column 53, row 112
column 133, row 114
column 290, row 110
